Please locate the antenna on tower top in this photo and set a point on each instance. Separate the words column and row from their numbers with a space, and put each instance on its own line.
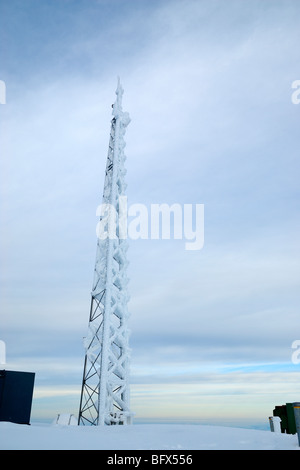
column 117, row 107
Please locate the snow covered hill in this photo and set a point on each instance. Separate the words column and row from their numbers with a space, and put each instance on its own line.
column 141, row 437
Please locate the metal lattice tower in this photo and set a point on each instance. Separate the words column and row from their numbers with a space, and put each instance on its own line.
column 105, row 385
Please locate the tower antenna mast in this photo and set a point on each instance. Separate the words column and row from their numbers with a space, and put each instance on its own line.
column 105, row 385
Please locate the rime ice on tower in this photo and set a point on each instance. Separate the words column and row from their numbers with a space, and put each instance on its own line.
column 105, row 386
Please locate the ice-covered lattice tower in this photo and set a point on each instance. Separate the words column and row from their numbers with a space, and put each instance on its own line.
column 105, row 384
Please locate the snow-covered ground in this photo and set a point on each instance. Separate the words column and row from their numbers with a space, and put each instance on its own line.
column 141, row 437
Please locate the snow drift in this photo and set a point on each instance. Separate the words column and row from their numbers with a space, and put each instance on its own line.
column 141, row 437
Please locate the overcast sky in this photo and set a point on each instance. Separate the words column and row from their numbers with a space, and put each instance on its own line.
column 208, row 86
